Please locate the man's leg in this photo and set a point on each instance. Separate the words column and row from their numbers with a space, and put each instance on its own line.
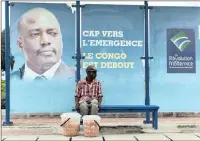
column 83, row 108
column 94, row 108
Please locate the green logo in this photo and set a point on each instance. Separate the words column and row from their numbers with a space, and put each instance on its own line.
column 181, row 41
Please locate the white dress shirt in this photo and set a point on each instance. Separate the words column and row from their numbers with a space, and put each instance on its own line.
column 31, row 75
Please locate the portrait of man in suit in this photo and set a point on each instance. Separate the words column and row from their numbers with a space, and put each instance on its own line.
column 40, row 40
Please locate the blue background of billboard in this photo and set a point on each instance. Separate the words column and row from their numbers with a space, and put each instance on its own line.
column 120, row 86
column 172, row 92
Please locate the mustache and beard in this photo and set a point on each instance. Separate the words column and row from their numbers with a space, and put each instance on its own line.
column 40, row 51
column 46, row 66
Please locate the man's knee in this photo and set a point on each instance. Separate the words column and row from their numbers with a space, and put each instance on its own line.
column 91, row 108
column 94, row 109
column 83, row 108
column 94, row 101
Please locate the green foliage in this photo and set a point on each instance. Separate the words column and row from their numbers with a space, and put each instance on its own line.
column 12, row 60
column 3, row 94
column 3, row 89
column 3, row 50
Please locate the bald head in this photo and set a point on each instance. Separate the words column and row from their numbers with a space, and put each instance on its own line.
column 38, row 15
column 40, row 38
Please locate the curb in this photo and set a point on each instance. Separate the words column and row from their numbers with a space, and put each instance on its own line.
column 103, row 115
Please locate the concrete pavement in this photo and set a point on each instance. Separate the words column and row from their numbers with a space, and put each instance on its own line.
column 124, row 137
column 50, row 126
column 170, row 129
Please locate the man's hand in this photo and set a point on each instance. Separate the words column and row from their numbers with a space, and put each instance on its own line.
column 99, row 102
column 99, row 106
column 77, row 106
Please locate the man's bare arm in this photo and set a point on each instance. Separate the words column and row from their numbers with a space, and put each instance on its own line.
column 77, row 95
column 76, row 100
column 99, row 100
column 99, row 95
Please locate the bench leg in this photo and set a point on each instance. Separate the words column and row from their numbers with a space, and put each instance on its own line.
column 155, row 120
column 147, row 121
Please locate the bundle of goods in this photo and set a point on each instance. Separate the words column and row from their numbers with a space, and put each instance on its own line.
column 91, row 125
column 70, row 124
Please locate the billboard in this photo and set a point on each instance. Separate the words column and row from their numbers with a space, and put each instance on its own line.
column 42, row 43
column 113, row 41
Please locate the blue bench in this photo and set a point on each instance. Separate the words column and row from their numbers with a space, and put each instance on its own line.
column 132, row 109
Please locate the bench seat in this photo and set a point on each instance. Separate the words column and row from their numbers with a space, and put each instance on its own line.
column 132, row 109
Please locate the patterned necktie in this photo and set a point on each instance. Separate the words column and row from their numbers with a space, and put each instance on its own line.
column 40, row 78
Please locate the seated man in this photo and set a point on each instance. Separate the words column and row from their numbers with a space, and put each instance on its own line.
column 88, row 95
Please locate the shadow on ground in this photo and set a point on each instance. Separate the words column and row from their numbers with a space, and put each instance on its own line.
column 121, row 129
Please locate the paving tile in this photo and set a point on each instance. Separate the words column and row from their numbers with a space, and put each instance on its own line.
column 123, row 137
column 52, row 137
column 21, row 138
column 3, row 137
column 82, row 138
column 197, row 134
column 182, row 136
column 162, row 129
column 31, row 131
column 151, row 137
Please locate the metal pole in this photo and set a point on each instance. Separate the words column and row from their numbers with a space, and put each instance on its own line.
column 7, row 64
column 78, row 50
column 147, row 98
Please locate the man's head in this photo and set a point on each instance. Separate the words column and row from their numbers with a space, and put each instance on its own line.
column 40, row 38
column 91, row 72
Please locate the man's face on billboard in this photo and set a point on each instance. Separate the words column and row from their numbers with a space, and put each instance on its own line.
column 40, row 38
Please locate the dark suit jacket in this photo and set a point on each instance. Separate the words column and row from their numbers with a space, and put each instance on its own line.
column 63, row 72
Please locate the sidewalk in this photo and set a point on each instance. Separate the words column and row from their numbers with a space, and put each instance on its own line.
column 48, row 129
column 126, row 137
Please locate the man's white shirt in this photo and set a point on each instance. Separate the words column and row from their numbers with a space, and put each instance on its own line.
column 31, row 75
